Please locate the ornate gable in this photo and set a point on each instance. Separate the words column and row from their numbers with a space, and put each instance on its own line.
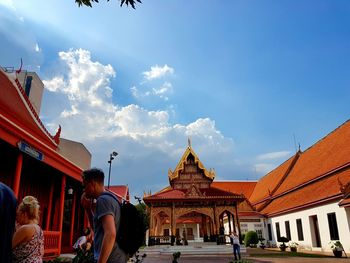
column 190, row 171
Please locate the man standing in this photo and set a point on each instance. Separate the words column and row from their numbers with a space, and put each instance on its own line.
column 236, row 245
column 104, row 216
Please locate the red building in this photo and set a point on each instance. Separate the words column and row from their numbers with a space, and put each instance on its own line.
column 33, row 162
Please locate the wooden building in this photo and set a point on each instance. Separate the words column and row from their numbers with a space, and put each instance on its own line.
column 33, row 162
column 191, row 206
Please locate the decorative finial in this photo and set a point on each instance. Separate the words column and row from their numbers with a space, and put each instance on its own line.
column 20, row 68
column 56, row 138
column 299, row 146
column 189, row 142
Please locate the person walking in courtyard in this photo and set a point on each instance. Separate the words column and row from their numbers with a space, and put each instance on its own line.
column 104, row 216
column 28, row 240
column 236, row 245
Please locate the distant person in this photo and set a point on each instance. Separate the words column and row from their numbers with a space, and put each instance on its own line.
column 28, row 240
column 83, row 242
column 236, row 245
column 7, row 222
column 104, row 216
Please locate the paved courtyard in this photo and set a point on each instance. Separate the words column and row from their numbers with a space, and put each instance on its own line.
column 251, row 255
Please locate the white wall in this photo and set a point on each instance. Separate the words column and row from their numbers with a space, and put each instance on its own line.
column 342, row 216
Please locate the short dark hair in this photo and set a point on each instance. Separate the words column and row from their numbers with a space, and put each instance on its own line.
column 94, row 174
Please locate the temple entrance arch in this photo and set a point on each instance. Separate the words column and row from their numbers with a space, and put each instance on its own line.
column 196, row 224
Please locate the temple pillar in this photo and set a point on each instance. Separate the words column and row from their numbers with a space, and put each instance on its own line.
column 238, row 224
column 204, row 225
column 17, row 177
column 172, row 224
column 72, row 219
column 151, row 219
column 48, row 218
column 229, row 222
column 62, row 195
column 198, row 234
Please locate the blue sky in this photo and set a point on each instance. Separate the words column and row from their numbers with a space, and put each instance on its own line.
column 240, row 78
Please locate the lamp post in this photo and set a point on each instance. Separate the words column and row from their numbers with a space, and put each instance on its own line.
column 111, row 158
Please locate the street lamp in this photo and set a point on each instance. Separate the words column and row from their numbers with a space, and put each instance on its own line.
column 111, row 158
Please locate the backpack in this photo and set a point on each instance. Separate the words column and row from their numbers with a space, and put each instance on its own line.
column 132, row 228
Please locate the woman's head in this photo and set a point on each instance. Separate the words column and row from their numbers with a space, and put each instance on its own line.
column 28, row 209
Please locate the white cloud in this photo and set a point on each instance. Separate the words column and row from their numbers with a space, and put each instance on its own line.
column 146, row 140
column 157, row 72
column 8, row 3
column 264, row 168
column 37, row 48
column 162, row 92
column 273, row 155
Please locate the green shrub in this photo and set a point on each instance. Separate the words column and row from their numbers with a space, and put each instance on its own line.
column 251, row 237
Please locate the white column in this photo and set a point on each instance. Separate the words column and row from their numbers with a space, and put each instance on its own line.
column 198, row 231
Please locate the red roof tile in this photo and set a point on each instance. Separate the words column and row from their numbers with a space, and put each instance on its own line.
column 269, row 182
column 211, row 192
column 249, row 214
column 345, row 202
column 16, row 107
column 120, row 191
column 325, row 189
column 327, row 154
column 239, row 187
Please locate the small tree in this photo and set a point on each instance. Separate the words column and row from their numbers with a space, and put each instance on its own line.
column 283, row 240
column 251, row 238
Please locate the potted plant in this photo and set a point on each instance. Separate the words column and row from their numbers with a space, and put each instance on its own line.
column 283, row 246
column 261, row 243
column 293, row 246
column 337, row 248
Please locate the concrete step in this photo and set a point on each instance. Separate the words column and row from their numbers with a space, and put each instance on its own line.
column 191, row 249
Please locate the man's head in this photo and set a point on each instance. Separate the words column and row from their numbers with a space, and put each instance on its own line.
column 93, row 182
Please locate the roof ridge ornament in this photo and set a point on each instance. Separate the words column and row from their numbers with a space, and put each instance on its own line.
column 189, row 142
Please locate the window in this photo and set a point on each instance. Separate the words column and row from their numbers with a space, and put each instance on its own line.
column 286, row 223
column 333, row 227
column 278, row 232
column 28, row 85
column 259, row 232
column 300, row 230
column 269, row 231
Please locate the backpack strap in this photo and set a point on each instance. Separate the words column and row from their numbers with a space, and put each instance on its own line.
column 112, row 195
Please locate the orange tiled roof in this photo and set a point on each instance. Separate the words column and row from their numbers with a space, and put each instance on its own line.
column 207, row 193
column 246, row 188
column 325, row 189
column 121, row 191
column 249, row 214
column 345, row 202
column 327, row 154
column 16, row 107
column 269, row 182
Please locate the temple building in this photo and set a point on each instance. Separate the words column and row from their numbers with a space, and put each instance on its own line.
column 34, row 162
column 306, row 199
column 191, row 207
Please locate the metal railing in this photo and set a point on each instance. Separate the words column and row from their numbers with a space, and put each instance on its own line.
column 159, row 240
column 51, row 243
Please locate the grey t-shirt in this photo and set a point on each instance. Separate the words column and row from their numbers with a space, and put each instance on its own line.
column 107, row 205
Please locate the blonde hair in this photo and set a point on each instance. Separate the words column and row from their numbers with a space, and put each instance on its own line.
column 30, row 206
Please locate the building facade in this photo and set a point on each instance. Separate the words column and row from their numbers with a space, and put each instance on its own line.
column 34, row 162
